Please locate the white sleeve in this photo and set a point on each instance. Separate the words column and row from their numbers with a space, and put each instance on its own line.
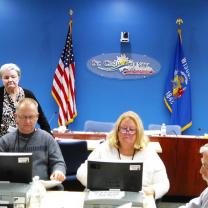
column 198, row 202
column 160, row 181
column 194, row 203
column 82, row 174
column 82, row 170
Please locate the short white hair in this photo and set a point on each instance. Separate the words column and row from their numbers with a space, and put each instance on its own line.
column 204, row 148
column 9, row 66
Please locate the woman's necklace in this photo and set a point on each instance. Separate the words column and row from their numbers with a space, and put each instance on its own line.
column 119, row 154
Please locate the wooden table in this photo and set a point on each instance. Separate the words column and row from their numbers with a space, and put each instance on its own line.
column 82, row 135
column 94, row 138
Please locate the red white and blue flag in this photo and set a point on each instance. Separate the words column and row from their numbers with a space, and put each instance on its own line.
column 63, row 89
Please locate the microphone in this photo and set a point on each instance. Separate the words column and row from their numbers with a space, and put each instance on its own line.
column 52, row 117
column 203, row 133
column 199, row 129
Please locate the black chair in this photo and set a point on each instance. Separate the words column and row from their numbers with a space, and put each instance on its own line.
column 74, row 153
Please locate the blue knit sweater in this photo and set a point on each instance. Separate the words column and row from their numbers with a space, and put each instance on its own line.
column 47, row 156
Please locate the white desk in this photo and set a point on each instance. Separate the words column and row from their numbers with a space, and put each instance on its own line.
column 68, row 199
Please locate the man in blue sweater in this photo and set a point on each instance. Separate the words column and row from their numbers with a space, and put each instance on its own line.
column 48, row 162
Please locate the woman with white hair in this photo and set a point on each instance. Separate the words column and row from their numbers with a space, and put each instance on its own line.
column 10, row 94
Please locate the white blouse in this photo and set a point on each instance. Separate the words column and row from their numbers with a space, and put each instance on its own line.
column 154, row 171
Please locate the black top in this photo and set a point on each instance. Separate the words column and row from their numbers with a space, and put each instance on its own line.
column 42, row 121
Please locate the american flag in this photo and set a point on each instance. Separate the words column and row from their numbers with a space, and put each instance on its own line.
column 63, row 89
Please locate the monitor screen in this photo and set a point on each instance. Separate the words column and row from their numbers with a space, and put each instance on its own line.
column 16, row 167
column 125, row 176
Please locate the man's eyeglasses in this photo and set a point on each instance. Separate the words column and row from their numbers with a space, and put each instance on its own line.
column 32, row 117
column 127, row 130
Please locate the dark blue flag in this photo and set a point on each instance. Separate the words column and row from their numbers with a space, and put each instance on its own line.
column 178, row 89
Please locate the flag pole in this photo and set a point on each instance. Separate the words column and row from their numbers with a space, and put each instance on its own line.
column 70, row 21
column 179, row 22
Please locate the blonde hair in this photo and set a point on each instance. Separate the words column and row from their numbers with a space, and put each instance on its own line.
column 9, row 66
column 141, row 139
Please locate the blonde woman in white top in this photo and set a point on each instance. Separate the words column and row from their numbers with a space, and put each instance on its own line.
column 128, row 142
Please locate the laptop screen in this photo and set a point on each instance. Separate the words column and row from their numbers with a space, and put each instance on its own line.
column 16, row 167
column 125, row 176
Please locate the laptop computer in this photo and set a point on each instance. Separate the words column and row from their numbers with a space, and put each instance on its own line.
column 16, row 167
column 111, row 184
column 122, row 175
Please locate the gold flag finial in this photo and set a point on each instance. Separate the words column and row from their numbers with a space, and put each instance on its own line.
column 179, row 22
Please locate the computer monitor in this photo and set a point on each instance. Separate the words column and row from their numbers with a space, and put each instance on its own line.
column 16, row 167
column 122, row 175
